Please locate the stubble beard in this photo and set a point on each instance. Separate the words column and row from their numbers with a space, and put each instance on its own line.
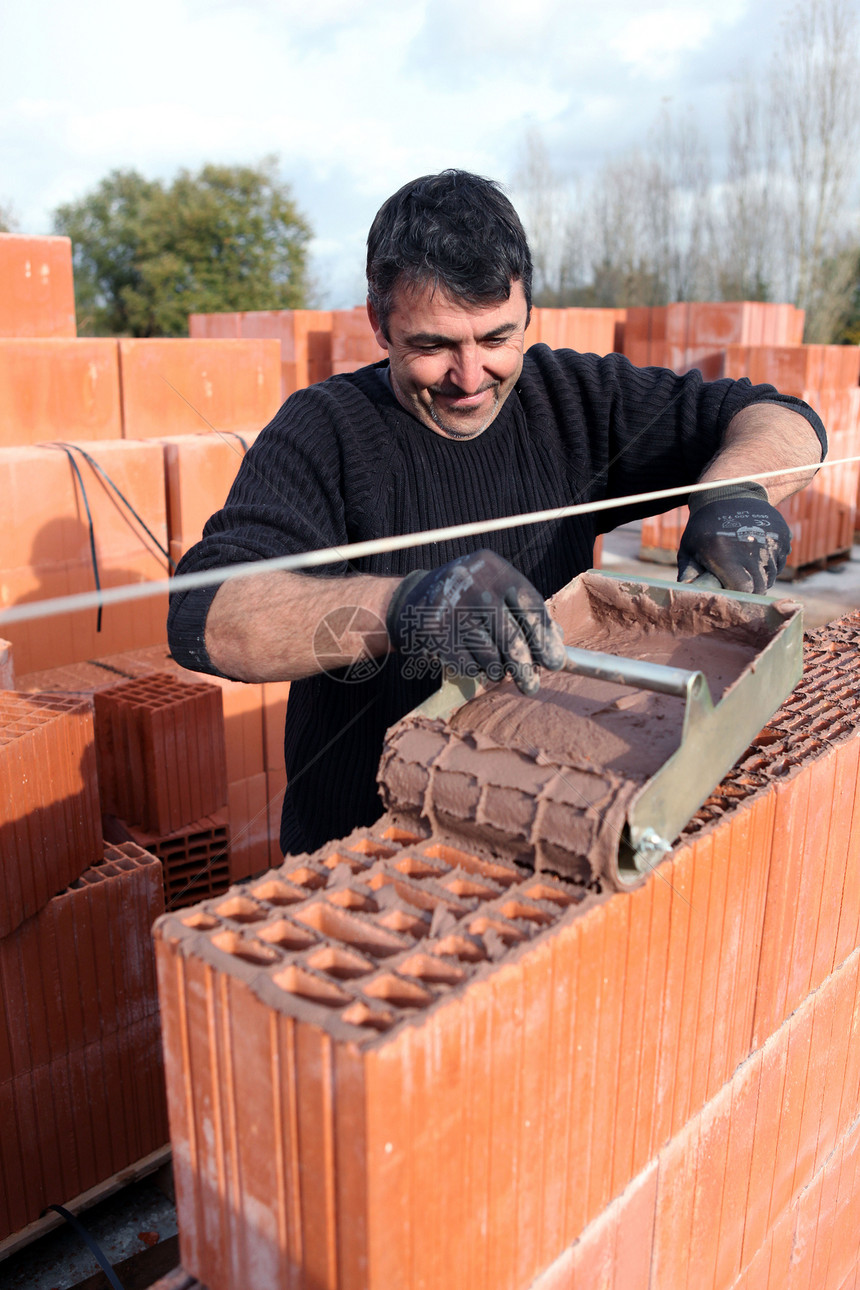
column 454, row 431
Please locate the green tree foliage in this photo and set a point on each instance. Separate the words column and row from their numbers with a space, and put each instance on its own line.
column 8, row 222
column 146, row 255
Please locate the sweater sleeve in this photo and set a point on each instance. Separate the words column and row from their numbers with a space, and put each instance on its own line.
column 645, row 428
column 286, row 498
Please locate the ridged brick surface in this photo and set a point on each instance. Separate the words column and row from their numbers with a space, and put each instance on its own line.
column 195, row 859
column 462, row 1064
column 161, row 753
column 50, row 821
column 81, row 1085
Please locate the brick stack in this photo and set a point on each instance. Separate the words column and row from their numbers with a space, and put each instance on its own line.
column 50, row 827
column 81, row 1079
column 590, row 331
column 199, row 471
column 353, row 344
column 45, row 547
column 81, row 1091
column 242, row 836
column 681, row 336
column 37, row 296
column 172, row 387
column 823, row 516
column 304, row 335
column 469, row 1075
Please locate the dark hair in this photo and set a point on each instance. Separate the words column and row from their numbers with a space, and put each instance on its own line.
column 454, row 230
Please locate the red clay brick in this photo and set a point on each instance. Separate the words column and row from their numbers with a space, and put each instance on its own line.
column 81, row 1085
column 50, row 824
column 37, row 296
column 172, row 387
column 58, row 389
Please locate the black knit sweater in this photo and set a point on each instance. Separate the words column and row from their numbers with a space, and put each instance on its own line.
column 343, row 461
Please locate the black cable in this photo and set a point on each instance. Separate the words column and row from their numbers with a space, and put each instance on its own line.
column 88, row 1240
column 68, row 448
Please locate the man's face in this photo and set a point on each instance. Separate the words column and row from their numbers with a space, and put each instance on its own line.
column 453, row 364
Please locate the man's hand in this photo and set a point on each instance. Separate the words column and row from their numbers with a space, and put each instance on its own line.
column 735, row 533
column 477, row 614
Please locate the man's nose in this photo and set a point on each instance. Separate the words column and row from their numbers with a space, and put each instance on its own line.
column 466, row 371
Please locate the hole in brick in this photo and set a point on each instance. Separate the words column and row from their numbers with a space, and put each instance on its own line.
column 393, row 989
column 367, row 847
column 430, row 969
column 305, row 877
column 399, row 921
column 460, row 947
column 413, row 894
column 241, row 910
column 340, row 963
column 278, row 893
column 509, row 934
column 395, row 834
column 472, row 864
column 348, row 899
column 287, row 935
column 296, row 981
column 341, row 926
column 232, row 943
column 202, row 922
column 468, row 889
column 354, row 864
column 544, row 891
column 412, row 867
column 358, row 1014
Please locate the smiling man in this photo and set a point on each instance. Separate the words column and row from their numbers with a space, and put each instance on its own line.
column 457, row 425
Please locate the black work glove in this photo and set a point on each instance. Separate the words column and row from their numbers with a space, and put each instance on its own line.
column 476, row 615
column 735, row 533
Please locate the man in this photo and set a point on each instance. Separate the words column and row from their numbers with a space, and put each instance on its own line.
column 455, row 426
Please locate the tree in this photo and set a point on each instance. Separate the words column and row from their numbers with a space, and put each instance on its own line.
column 8, row 221
column 147, row 255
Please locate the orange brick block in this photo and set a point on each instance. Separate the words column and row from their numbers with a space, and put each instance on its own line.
column 44, row 542
column 172, row 387
column 58, row 389
column 199, row 472
column 37, row 296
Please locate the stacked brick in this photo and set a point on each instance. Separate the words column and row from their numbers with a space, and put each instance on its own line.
column 239, row 835
column 682, row 336
column 163, row 774
column 81, row 1079
column 590, row 331
column 469, row 1075
column 45, row 547
column 305, row 336
column 762, row 342
column 50, row 824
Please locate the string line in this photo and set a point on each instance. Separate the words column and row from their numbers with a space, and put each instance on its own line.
column 375, row 546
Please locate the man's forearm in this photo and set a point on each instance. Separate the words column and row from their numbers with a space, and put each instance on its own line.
column 282, row 626
column 766, row 436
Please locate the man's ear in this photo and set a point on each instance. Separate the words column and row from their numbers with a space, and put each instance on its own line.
column 381, row 338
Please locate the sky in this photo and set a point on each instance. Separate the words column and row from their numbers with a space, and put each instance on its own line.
column 355, row 99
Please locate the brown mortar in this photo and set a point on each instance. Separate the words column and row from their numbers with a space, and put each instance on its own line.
column 548, row 780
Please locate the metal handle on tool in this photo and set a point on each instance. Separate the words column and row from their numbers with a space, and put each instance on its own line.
column 633, row 671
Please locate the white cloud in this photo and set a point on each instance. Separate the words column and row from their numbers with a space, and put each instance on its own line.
column 354, row 99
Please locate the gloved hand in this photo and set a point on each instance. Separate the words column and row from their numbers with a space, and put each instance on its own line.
column 475, row 615
column 736, row 534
